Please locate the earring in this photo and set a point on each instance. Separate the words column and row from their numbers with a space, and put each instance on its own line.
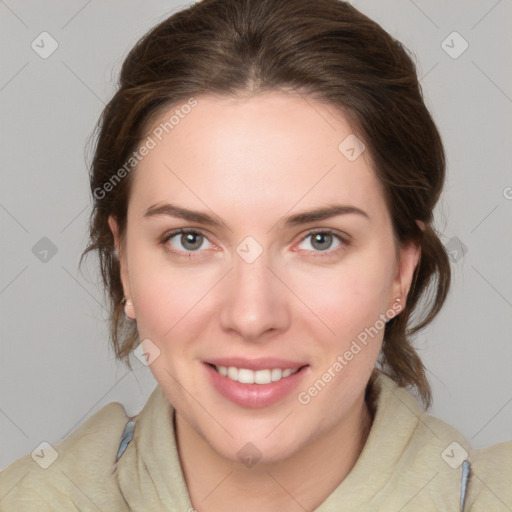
column 393, row 310
column 127, row 304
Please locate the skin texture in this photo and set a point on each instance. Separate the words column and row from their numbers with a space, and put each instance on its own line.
column 251, row 162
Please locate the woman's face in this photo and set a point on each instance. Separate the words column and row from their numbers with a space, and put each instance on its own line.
column 256, row 284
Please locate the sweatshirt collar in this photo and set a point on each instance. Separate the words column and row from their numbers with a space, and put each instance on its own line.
column 149, row 472
column 150, row 475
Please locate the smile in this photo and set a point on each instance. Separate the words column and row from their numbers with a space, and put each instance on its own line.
column 259, row 387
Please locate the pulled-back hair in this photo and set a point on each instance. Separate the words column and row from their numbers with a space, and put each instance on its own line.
column 324, row 49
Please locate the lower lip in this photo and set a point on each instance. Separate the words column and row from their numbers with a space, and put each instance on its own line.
column 254, row 395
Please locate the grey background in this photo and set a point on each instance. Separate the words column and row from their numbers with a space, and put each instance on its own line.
column 56, row 365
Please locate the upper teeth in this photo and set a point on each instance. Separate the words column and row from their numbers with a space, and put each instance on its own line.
column 246, row 376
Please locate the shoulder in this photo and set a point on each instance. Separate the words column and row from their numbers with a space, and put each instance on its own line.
column 71, row 475
column 491, row 475
column 488, row 482
column 437, row 460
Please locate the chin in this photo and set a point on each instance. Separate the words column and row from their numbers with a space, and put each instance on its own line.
column 256, row 451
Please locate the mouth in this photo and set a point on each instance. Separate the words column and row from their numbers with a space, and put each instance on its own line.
column 258, row 387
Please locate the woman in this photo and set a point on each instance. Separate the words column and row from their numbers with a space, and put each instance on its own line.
column 264, row 184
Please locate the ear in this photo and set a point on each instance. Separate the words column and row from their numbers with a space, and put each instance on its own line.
column 409, row 257
column 128, row 307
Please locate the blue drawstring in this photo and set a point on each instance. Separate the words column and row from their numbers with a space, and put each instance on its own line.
column 466, row 470
column 126, row 437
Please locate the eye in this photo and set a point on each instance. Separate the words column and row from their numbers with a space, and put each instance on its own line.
column 322, row 241
column 184, row 241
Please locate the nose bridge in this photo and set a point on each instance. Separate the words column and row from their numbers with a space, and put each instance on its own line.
column 255, row 301
column 252, row 276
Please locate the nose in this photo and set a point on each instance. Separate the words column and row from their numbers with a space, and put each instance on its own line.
column 255, row 303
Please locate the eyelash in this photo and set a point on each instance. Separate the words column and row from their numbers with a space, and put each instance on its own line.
column 345, row 242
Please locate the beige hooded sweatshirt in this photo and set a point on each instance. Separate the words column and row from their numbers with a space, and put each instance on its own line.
column 411, row 462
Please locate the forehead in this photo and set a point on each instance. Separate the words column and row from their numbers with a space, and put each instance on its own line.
column 270, row 150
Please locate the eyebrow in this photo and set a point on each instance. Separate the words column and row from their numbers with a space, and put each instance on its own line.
column 296, row 219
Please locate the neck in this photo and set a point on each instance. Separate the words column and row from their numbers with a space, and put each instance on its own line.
column 304, row 479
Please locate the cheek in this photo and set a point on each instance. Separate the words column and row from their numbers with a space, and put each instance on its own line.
column 350, row 298
column 349, row 302
column 164, row 294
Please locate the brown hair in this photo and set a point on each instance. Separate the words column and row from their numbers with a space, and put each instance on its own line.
column 325, row 49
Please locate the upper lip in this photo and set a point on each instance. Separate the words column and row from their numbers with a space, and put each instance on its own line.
column 262, row 363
